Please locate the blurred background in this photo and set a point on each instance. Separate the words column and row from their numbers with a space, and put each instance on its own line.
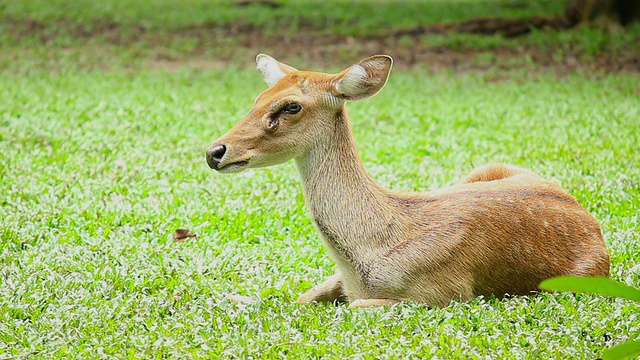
column 438, row 34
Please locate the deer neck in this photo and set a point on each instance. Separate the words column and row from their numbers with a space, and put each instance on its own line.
column 349, row 208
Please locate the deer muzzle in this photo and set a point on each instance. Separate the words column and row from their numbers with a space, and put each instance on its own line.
column 215, row 155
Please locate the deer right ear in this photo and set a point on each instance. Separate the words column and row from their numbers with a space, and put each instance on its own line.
column 272, row 70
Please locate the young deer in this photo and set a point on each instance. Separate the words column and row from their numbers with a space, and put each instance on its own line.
column 501, row 230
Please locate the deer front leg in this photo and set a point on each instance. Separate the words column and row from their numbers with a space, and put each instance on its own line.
column 329, row 291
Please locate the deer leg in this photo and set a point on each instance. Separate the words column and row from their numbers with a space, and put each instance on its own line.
column 328, row 291
column 362, row 303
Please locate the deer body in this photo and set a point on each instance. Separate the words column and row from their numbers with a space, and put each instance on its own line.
column 501, row 230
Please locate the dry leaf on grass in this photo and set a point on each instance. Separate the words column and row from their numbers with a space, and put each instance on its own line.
column 183, row 233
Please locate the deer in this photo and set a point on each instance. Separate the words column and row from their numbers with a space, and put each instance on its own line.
column 497, row 232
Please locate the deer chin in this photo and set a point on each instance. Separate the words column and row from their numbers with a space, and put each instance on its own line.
column 234, row 167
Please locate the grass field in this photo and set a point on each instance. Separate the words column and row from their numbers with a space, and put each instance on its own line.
column 102, row 159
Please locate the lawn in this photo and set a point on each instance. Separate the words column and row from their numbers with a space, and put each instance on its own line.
column 102, row 159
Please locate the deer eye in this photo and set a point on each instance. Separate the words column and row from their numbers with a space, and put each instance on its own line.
column 292, row 108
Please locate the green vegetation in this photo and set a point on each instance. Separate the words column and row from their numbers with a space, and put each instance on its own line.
column 102, row 158
column 131, row 35
column 353, row 17
column 606, row 287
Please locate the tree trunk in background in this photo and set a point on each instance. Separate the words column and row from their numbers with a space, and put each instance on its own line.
column 608, row 14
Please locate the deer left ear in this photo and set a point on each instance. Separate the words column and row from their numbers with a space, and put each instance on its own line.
column 272, row 70
column 364, row 79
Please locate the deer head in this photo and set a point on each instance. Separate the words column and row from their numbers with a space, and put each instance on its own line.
column 298, row 108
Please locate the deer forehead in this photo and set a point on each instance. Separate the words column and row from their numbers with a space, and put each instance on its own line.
column 299, row 86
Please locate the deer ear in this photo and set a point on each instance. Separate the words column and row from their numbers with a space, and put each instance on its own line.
column 272, row 70
column 365, row 78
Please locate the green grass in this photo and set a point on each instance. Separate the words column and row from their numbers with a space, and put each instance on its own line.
column 133, row 35
column 352, row 17
column 102, row 158
column 99, row 169
column 601, row 286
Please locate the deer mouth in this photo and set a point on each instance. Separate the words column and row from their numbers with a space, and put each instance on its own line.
column 233, row 167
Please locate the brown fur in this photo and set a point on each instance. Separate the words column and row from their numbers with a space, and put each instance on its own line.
column 500, row 230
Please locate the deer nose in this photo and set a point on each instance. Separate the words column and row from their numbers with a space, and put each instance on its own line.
column 215, row 155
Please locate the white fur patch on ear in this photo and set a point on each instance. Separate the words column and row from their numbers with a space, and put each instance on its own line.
column 365, row 78
column 269, row 68
column 353, row 81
